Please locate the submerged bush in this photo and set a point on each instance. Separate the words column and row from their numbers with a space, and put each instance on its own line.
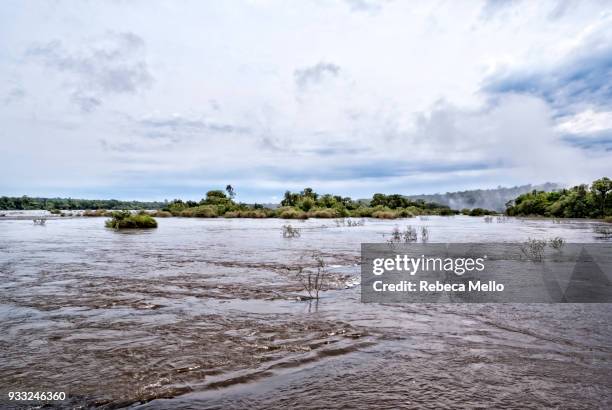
column 603, row 232
column 126, row 220
column 290, row 232
column 424, row 234
column 409, row 235
column 313, row 281
column 557, row 243
column 39, row 221
column 534, row 249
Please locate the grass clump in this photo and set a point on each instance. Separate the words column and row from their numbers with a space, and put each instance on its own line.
column 161, row 214
column 385, row 214
column 323, row 213
column 291, row 213
column 126, row 220
column 246, row 213
column 202, row 211
column 97, row 212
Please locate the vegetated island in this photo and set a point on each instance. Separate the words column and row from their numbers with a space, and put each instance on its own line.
column 582, row 201
column 128, row 220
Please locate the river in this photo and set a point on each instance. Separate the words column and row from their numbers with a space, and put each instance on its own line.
column 205, row 313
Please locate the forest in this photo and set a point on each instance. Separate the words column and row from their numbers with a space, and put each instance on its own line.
column 581, row 201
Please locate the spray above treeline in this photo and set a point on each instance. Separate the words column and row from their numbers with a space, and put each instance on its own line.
column 582, row 201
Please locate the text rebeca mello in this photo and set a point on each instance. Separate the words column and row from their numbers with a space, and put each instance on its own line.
column 411, row 265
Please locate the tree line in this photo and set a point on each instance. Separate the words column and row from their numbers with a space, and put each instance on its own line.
column 581, row 201
column 30, row 203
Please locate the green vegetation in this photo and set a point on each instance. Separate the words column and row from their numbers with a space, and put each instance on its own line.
column 161, row 214
column 580, row 201
column 305, row 204
column 478, row 212
column 127, row 220
column 98, row 212
column 49, row 204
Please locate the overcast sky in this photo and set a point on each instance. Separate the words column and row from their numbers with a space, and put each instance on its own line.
column 154, row 100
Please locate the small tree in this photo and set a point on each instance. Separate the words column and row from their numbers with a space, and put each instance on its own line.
column 313, row 280
column 230, row 191
column 600, row 189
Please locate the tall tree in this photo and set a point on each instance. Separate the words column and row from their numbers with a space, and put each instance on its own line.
column 600, row 188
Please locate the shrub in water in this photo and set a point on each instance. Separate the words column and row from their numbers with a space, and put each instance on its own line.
column 313, row 281
column 125, row 220
column 290, row 232
column 534, row 249
column 557, row 243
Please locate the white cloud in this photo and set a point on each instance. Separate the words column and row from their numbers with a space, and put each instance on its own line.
column 276, row 95
column 586, row 122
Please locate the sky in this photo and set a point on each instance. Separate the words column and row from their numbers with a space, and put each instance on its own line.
column 156, row 100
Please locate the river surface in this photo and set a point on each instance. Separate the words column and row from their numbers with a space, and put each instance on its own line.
column 206, row 313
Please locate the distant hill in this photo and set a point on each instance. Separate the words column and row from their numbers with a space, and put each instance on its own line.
column 494, row 199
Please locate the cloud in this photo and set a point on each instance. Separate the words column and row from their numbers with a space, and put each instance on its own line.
column 601, row 140
column 85, row 103
column 579, row 79
column 560, row 8
column 315, row 74
column 114, row 64
column 368, row 6
column 179, row 123
column 324, row 95
column 586, row 122
column 516, row 133
column 15, row 94
column 493, row 8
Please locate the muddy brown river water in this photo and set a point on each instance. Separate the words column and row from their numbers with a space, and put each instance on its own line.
column 205, row 314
